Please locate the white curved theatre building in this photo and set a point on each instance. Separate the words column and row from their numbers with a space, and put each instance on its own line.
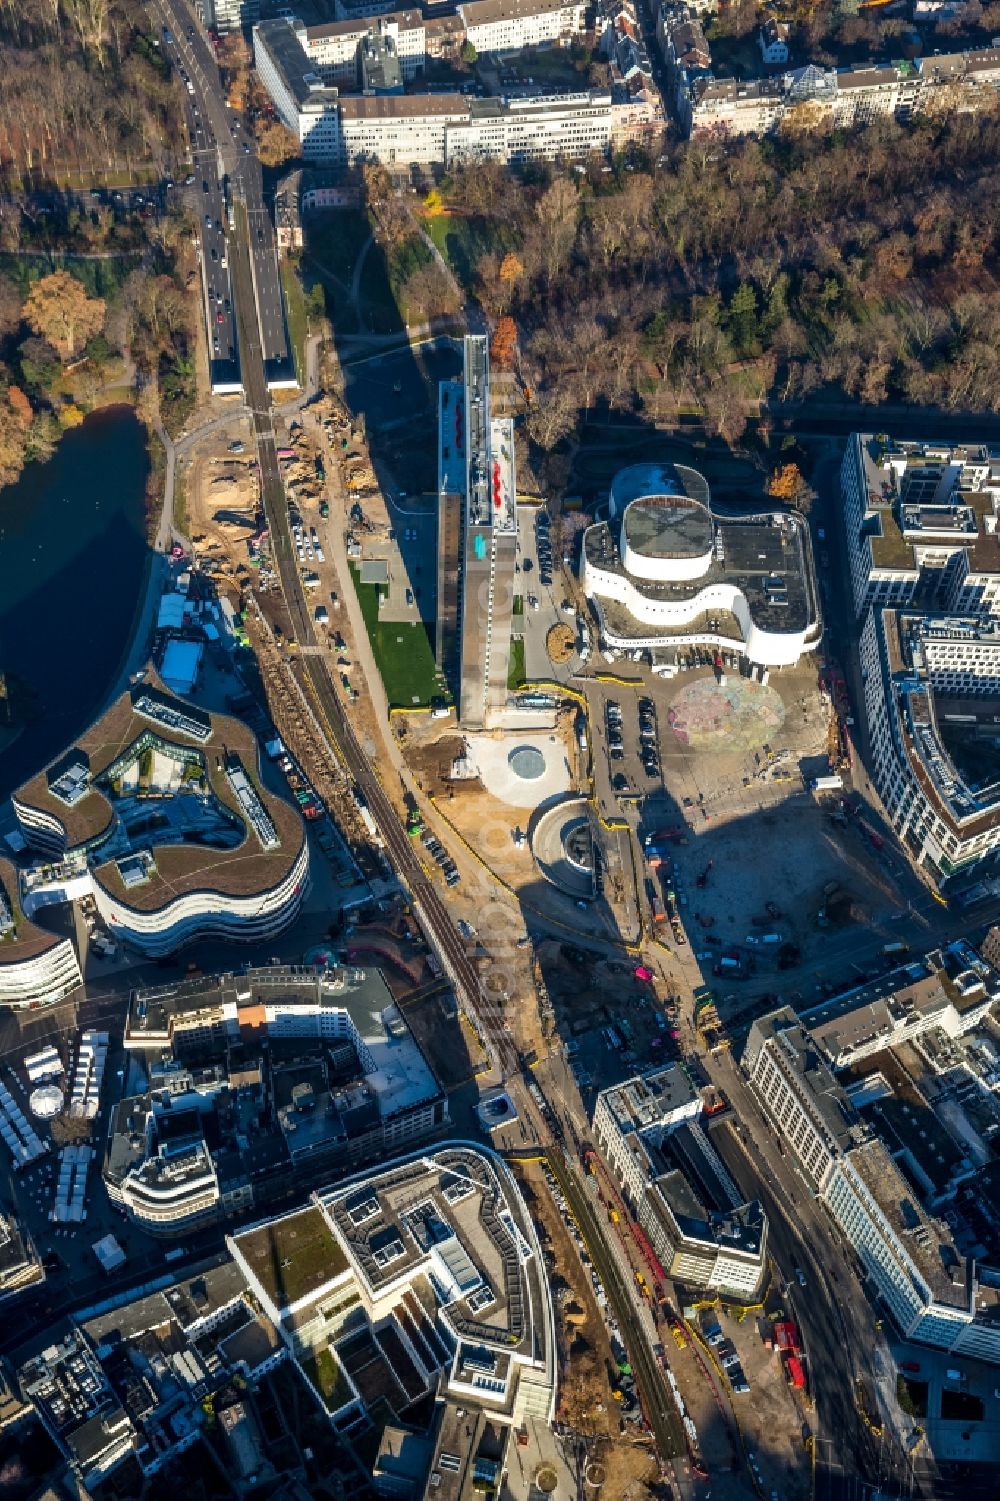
column 667, row 570
column 159, row 814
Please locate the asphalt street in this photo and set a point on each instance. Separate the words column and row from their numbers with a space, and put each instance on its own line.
column 840, row 1327
column 225, row 135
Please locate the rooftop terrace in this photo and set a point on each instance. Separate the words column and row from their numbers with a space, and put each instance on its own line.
column 765, row 556
column 219, row 748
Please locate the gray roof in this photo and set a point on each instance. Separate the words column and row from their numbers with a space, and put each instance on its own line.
column 282, row 42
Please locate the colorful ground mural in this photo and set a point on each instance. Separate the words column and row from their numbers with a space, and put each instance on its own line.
column 742, row 715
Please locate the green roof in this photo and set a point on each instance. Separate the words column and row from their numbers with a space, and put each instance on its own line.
column 890, row 550
column 294, row 1256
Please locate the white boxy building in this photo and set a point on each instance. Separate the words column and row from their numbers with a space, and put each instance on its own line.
column 674, row 1182
column 505, row 26
column 933, row 1292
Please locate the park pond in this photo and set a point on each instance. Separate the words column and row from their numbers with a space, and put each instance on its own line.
column 73, row 560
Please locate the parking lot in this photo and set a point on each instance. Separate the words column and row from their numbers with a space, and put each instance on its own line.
column 546, row 590
column 769, row 1411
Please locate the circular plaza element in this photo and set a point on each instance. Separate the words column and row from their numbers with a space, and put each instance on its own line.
column 562, row 843
column 527, row 762
column 45, row 1102
column 742, row 715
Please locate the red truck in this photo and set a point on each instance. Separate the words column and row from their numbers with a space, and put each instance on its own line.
column 796, row 1374
column 786, row 1336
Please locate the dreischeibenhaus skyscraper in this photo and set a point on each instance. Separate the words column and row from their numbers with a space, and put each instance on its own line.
column 477, row 540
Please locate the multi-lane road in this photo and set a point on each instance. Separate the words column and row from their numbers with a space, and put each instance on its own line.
column 225, row 158
column 839, row 1326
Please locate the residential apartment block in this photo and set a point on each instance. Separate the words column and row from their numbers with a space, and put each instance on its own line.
column 258, row 1079
column 921, row 524
column 923, row 550
column 934, row 1293
column 673, row 1181
column 951, row 989
column 130, row 1386
column 814, row 97
column 932, row 695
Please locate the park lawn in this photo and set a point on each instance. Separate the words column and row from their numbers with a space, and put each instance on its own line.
column 463, row 242
column 403, row 652
column 295, row 314
column 335, row 238
column 515, row 670
column 379, row 309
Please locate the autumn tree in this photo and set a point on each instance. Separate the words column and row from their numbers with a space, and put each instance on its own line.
column 59, row 310
column 10, row 307
column 556, row 213
column 386, row 209
column 788, row 483
column 15, row 420
column 276, row 144
column 503, row 346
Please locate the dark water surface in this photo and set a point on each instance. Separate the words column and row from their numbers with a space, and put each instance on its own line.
column 72, row 564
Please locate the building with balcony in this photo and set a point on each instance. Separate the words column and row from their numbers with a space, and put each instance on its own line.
column 813, row 97
column 669, row 570
column 158, row 813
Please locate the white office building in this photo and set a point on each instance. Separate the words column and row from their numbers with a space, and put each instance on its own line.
column 932, row 694
column 807, row 1105
column 647, row 1107
column 674, row 1182
column 505, row 26
column 920, row 523
column 932, row 1292
column 922, row 542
